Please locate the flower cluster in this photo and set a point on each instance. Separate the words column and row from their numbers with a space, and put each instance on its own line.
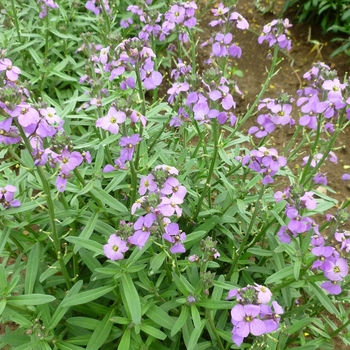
column 7, row 197
column 276, row 32
column 162, row 194
column 253, row 312
column 264, row 161
column 97, row 6
column 45, row 5
column 324, row 96
column 40, row 124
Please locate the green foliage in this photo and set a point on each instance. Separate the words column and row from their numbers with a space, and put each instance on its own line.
column 57, row 283
column 332, row 16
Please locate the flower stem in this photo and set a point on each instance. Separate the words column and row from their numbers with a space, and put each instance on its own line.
column 16, row 20
column 51, row 210
column 211, row 169
column 247, row 235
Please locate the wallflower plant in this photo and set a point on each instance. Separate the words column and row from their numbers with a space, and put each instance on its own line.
column 138, row 211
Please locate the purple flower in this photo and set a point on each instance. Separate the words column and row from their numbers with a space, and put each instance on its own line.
column 61, row 181
column 172, row 186
column 221, row 10
column 345, row 177
column 169, row 206
column 176, row 237
column 115, row 248
column 12, row 72
column 321, row 179
column 151, row 79
column 242, row 23
column 332, row 287
column 128, row 143
column 266, row 126
column 308, row 200
column 147, row 184
column 271, row 319
column 142, row 230
column 222, row 93
column 264, row 293
column 6, row 197
column 336, row 271
column 69, row 161
column 112, row 120
column 245, row 321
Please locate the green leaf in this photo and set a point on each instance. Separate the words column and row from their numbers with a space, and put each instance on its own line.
column 152, row 331
column 2, row 305
column 32, row 268
column 60, row 311
column 87, row 296
column 297, row 268
column 160, row 317
column 66, row 346
column 132, row 298
column 323, row 299
column 109, row 200
column 298, row 325
column 156, row 262
column 193, row 341
column 215, row 304
column 180, row 321
column 279, row 276
column 30, row 299
column 101, row 332
column 259, row 252
column 63, row 76
column 88, row 229
column 125, row 341
column 86, row 243
column 196, row 318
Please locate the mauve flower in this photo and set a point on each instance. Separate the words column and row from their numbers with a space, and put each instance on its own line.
column 12, row 72
column 345, row 177
column 172, row 186
column 176, row 237
column 61, row 181
column 112, row 120
column 169, row 206
column 115, row 248
column 128, row 143
column 142, row 230
column 147, row 184
column 264, row 293
column 221, row 10
column 69, row 161
column 332, row 287
column 271, row 318
column 336, row 271
column 6, row 197
column 244, row 318
column 242, row 23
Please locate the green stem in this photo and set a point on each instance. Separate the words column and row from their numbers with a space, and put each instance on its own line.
column 143, row 111
column 51, row 210
column 211, row 169
column 14, row 12
column 212, row 326
column 47, row 34
column 133, row 183
column 247, row 235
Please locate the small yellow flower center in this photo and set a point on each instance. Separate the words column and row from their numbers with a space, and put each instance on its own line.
column 113, row 120
column 115, row 248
